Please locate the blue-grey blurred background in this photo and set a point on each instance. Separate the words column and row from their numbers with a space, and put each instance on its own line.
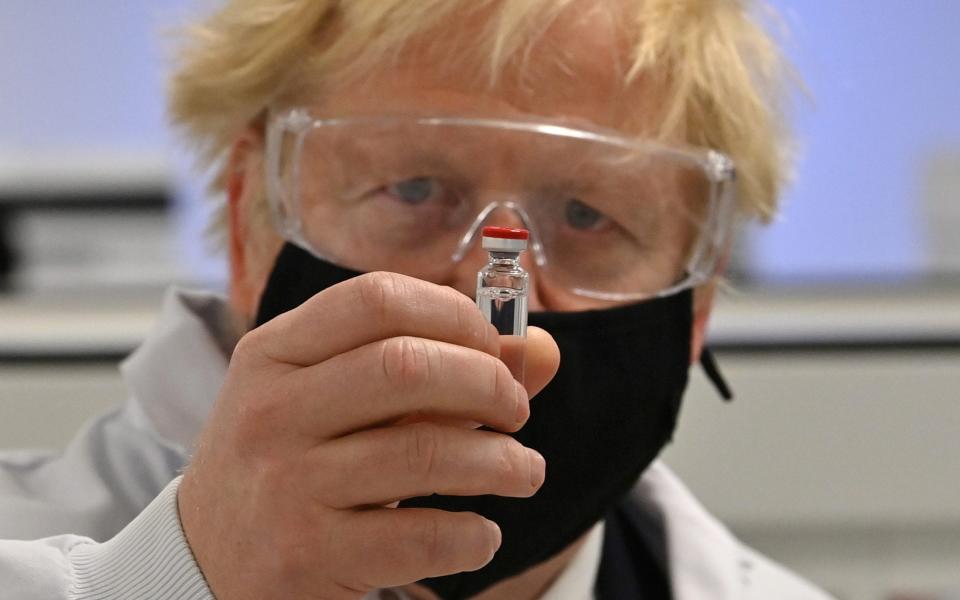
column 841, row 332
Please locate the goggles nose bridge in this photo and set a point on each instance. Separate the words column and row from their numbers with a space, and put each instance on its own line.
column 473, row 232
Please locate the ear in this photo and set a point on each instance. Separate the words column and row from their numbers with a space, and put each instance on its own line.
column 703, row 298
column 243, row 180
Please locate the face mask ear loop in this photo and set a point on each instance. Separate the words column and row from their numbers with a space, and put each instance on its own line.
column 709, row 364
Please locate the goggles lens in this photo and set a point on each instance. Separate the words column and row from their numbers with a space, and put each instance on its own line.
column 610, row 217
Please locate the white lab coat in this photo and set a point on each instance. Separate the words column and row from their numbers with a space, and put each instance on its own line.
column 100, row 519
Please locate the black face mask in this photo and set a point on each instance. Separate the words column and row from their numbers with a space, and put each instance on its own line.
column 599, row 423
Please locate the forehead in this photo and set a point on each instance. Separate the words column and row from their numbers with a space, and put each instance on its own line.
column 571, row 68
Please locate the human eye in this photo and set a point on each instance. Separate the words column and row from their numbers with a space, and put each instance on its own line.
column 415, row 191
column 418, row 202
column 580, row 216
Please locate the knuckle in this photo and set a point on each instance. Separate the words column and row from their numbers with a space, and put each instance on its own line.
column 249, row 346
column 406, row 362
column 430, row 540
column 467, row 318
column 350, row 592
column 503, row 388
column 423, row 441
column 511, row 459
column 377, row 292
column 327, row 477
column 258, row 417
column 463, row 317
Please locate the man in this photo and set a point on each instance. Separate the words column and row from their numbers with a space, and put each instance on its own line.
column 365, row 439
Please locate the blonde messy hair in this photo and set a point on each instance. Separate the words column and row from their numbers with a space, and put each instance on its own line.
column 716, row 68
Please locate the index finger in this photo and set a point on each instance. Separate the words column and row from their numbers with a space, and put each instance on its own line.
column 372, row 307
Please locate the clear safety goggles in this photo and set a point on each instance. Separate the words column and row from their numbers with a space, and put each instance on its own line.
column 611, row 218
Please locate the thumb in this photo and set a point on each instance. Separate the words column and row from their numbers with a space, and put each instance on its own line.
column 542, row 360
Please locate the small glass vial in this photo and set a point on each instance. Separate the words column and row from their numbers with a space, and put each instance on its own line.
column 502, row 287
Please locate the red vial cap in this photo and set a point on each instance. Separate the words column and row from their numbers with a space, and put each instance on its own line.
column 506, row 233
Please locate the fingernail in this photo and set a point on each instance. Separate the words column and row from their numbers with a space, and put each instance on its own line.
column 523, row 406
column 538, row 467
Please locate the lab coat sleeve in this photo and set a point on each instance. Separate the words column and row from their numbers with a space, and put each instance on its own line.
column 148, row 559
column 98, row 519
column 111, row 470
column 114, row 491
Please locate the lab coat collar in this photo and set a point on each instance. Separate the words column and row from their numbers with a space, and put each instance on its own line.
column 176, row 374
column 701, row 553
column 705, row 560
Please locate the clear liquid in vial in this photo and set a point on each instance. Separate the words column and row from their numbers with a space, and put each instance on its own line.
column 506, row 308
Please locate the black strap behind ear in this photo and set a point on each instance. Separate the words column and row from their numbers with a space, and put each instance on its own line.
column 709, row 364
